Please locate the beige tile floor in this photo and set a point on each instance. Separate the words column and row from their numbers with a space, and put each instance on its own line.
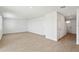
column 30, row 42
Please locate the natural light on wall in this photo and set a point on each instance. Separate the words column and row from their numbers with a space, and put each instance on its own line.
column 68, row 22
column 8, row 15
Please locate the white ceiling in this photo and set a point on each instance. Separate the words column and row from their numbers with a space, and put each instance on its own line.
column 28, row 12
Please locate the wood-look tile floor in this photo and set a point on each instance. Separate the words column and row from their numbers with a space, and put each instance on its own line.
column 29, row 42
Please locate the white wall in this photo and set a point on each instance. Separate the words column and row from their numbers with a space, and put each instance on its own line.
column 45, row 25
column 1, row 27
column 15, row 25
column 50, row 26
column 77, row 27
column 36, row 26
column 72, row 26
column 61, row 26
